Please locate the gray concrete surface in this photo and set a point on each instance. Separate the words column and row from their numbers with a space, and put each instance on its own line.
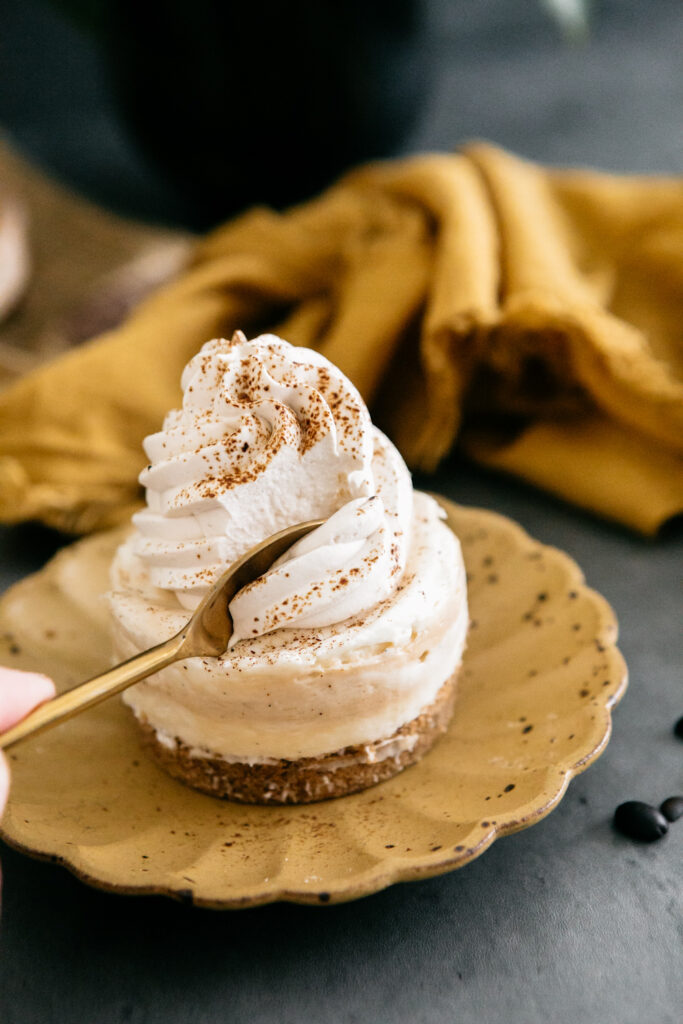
column 564, row 923
column 567, row 922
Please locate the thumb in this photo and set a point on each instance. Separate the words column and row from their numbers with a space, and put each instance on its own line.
column 20, row 692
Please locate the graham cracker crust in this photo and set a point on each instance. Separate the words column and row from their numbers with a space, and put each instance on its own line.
column 308, row 779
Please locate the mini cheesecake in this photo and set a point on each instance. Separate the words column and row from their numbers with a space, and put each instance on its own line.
column 343, row 665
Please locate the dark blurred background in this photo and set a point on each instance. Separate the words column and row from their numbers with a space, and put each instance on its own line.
column 185, row 112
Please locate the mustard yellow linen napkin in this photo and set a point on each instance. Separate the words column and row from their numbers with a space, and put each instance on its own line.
column 538, row 314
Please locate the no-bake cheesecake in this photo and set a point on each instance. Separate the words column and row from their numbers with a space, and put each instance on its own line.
column 342, row 667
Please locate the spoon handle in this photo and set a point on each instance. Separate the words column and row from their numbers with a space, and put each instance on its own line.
column 97, row 689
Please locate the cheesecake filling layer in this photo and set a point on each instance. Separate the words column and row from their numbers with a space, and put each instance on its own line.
column 301, row 692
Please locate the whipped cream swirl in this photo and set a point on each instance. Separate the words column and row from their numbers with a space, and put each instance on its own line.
column 270, row 435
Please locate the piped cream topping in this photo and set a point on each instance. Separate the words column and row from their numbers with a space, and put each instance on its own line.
column 270, row 435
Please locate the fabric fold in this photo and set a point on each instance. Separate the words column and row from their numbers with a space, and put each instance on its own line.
column 534, row 314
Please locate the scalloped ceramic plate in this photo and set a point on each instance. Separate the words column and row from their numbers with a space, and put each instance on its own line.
column 540, row 676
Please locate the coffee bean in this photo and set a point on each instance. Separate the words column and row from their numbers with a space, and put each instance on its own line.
column 678, row 728
column 638, row 820
column 672, row 808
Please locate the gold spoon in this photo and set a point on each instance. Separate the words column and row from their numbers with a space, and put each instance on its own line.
column 205, row 635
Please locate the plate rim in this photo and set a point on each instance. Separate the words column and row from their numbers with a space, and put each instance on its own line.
column 389, row 871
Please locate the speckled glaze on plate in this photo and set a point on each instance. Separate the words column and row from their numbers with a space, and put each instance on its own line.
column 540, row 677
